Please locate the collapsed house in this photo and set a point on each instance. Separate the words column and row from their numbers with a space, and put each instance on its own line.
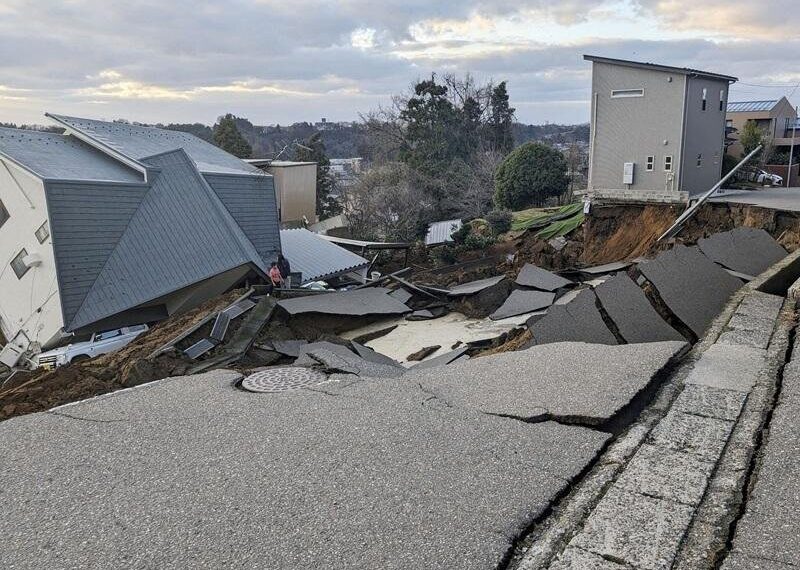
column 112, row 224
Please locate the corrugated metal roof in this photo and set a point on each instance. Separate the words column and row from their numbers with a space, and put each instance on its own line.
column 57, row 156
column 440, row 232
column 179, row 235
column 751, row 106
column 316, row 257
column 139, row 142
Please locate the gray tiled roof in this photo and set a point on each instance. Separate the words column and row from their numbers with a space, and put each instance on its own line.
column 179, row 234
column 55, row 156
column 139, row 142
column 751, row 106
column 317, row 258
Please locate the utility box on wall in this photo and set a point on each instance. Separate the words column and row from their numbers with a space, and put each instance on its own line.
column 627, row 173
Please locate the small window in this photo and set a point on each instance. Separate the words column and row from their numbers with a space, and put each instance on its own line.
column 3, row 215
column 729, row 123
column 705, row 98
column 651, row 160
column 721, row 99
column 43, row 233
column 699, row 160
column 668, row 163
column 619, row 93
column 18, row 265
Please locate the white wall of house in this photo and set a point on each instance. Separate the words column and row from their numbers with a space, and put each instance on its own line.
column 30, row 307
column 637, row 116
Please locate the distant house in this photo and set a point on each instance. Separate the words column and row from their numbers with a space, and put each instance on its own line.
column 111, row 224
column 774, row 117
column 657, row 132
column 295, row 189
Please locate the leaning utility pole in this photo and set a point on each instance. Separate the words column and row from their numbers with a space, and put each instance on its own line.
column 791, row 150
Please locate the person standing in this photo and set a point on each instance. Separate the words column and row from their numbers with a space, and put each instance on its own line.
column 286, row 271
column 275, row 277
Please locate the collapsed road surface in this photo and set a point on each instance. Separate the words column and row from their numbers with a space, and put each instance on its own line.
column 412, row 472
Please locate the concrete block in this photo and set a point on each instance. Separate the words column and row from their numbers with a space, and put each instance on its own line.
column 728, row 367
column 701, row 436
column 667, row 474
column 642, row 531
column 578, row 559
column 711, row 402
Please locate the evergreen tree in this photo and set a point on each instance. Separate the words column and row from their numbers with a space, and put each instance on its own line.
column 530, row 175
column 228, row 137
column 313, row 150
column 501, row 120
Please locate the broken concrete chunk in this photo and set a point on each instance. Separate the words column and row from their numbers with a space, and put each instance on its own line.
column 605, row 268
column 423, row 352
column 443, row 359
column 402, row 295
column 745, row 250
column 692, row 286
column 358, row 302
column 291, row 348
column 579, row 320
column 631, row 312
column 353, row 364
column 583, row 383
column 372, row 356
column 421, row 315
column 521, row 302
column 474, row 286
column 538, row 278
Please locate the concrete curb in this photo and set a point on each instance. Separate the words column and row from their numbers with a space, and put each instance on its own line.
column 551, row 537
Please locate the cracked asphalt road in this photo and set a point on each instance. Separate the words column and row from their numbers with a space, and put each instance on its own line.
column 361, row 473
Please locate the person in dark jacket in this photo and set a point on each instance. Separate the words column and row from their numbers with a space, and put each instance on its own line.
column 286, row 270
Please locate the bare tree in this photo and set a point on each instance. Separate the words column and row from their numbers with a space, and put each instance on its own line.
column 386, row 203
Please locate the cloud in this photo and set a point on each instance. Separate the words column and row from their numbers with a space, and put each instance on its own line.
column 279, row 62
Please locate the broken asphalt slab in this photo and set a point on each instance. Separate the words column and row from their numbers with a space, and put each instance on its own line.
column 573, row 382
column 634, row 316
column 474, row 286
column 579, row 320
column 693, row 287
column 358, row 302
column 745, row 250
column 521, row 302
column 192, row 472
column 532, row 276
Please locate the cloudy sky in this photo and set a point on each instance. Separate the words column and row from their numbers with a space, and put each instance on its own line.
column 294, row 60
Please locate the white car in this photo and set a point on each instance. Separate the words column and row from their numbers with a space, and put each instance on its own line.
column 100, row 343
column 767, row 178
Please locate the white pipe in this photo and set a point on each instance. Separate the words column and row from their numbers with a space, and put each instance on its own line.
column 690, row 211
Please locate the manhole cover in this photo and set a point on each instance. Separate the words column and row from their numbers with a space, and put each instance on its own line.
column 283, row 379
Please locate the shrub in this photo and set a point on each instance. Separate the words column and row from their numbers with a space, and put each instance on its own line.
column 500, row 220
column 529, row 176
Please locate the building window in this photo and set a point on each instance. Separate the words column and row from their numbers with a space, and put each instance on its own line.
column 705, row 98
column 651, row 160
column 43, row 233
column 729, row 123
column 3, row 215
column 18, row 265
column 668, row 163
column 620, row 93
column 721, row 99
column 699, row 160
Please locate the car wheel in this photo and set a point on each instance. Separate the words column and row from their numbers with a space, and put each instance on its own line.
column 79, row 358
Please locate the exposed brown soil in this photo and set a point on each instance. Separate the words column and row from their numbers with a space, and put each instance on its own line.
column 514, row 342
column 123, row 369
